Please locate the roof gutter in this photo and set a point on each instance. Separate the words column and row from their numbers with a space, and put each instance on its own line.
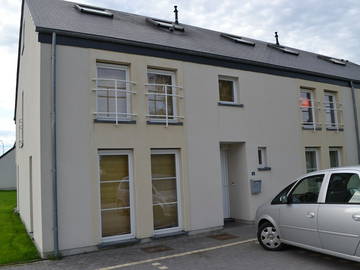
column 54, row 149
column 353, row 96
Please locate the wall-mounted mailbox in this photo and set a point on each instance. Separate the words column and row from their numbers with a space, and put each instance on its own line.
column 255, row 186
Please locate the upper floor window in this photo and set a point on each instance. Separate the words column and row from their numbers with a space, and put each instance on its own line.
column 162, row 96
column 227, row 90
column 113, row 92
column 332, row 111
column 307, row 106
column 312, row 159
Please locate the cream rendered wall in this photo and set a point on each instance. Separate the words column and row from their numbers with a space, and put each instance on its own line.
column 79, row 139
column 269, row 118
column 29, row 84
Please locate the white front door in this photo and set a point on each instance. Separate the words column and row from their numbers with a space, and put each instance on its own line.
column 225, row 181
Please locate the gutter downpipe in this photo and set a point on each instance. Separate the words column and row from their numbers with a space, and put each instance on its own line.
column 54, row 152
column 356, row 119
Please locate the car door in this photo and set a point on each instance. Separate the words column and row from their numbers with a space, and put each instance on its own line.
column 298, row 218
column 339, row 215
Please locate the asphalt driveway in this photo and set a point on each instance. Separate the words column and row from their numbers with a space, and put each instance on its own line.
column 232, row 248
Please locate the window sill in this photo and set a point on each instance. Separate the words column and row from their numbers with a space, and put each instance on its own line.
column 311, row 128
column 114, row 122
column 264, row 169
column 164, row 123
column 335, row 129
column 231, row 104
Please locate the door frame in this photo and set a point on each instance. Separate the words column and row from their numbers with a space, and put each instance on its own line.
column 176, row 152
column 130, row 235
column 224, row 153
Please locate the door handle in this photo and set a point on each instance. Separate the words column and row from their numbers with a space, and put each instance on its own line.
column 312, row 215
column 356, row 217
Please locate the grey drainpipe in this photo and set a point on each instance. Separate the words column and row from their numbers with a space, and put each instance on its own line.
column 356, row 119
column 54, row 158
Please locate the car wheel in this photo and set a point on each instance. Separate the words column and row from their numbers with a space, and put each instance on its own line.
column 269, row 238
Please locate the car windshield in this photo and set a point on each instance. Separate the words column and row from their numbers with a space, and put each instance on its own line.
column 285, row 191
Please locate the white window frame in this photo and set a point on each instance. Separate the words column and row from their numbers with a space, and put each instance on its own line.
column 118, row 117
column 329, row 125
column 235, row 89
column 317, row 158
column 338, row 150
column 175, row 96
column 262, row 151
column 178, row 190
column 131, row 235
column 314, row 124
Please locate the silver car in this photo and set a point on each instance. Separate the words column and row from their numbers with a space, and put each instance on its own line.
column 320, row 211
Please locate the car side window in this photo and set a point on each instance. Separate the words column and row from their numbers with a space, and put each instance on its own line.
column 307, row 190
column 285, row 191
column 344, row 188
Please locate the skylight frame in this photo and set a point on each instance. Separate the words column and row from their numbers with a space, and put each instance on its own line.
column 94, row 10
column 171, row 26
column 284, row 49
column 333, row 60
column 238, row 39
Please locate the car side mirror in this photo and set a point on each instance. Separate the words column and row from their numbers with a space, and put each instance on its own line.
column 284, row 199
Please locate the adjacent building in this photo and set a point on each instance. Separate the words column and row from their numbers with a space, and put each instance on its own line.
column 8, row 170
column 131, row 127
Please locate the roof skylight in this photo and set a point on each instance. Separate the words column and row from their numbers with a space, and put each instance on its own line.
column 333, row 60
column 239, row 39
column 94, row 10
column 283, row 49
column 166, row 24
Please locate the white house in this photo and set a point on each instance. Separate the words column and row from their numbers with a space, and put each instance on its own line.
column 131, row 127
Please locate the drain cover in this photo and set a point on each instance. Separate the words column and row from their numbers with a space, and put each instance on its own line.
column 223, row 236
column 155, row 249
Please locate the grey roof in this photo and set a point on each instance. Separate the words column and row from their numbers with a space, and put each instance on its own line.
column 61, row 15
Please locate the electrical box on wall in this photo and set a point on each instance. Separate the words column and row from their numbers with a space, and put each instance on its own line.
column 255, row 186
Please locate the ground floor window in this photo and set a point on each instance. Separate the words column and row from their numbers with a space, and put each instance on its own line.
column 312, row 159
column 165, row 190
column 335, row 157
column 116, row 194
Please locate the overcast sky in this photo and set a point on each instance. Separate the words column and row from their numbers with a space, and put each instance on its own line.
column 330, row 27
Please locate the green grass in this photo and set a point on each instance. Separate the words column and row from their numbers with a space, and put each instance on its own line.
column 15, row 244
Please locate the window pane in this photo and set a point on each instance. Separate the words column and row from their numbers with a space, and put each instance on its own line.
column 113, row 79
column 114, row 195
column 165, row 216
column 163, row 165
column 306, row 105
column 156, row 103
column 307, row 191
column 334, row 158
column 343, row 188
column 115, row 222
column 311, row 162
column 226, row 90
column 114, row 167
column 164, row 191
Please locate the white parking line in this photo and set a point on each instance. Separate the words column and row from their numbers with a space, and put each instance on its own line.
column 177, row 255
